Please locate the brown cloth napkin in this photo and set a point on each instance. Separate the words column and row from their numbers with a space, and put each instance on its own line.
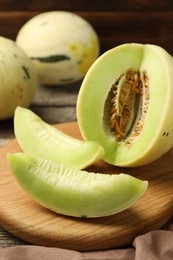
column 154, row 245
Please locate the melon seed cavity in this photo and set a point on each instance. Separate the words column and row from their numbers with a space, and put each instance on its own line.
column 128, row 105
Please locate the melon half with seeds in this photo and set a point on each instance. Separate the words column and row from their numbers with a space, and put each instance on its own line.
column 125, row 104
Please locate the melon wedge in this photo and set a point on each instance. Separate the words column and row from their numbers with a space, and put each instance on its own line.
column 74, row 192
column 41, row 139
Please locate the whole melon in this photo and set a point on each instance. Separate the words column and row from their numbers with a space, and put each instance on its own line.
column 62, row 46
column 18, row 78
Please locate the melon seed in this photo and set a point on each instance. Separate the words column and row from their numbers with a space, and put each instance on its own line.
column 129, row 105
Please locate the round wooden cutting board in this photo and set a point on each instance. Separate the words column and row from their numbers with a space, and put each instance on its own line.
column 24, row 218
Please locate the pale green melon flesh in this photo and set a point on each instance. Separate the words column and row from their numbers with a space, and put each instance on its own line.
column 156, row 137
column 41, row 139
column 73, row 192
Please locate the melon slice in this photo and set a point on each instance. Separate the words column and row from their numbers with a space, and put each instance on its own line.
column 41, row 139
column 127, row 96
column 73, row 192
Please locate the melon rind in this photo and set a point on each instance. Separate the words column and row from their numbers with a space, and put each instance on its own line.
column 40, row 139
column 73, row 192
column 156, row 137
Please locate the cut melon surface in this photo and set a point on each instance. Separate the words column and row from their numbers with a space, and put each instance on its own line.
column 40, row 139
column 73, row 192
column 127, row 96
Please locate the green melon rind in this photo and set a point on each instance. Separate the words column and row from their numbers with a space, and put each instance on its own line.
column 157, row 135
column 41, row 139
column 73, row 192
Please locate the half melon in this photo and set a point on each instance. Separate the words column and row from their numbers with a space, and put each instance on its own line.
column 125, row 104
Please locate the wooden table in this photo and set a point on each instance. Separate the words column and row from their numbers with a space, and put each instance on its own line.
column 54, row 105
column 115, row 23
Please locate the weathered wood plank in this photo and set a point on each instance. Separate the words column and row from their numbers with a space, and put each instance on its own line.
column 64, row 95
column 55, row 115
column 56, row 104
column 7, row 240
column 89, row 5
column 113, row 28
column 52, row 104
